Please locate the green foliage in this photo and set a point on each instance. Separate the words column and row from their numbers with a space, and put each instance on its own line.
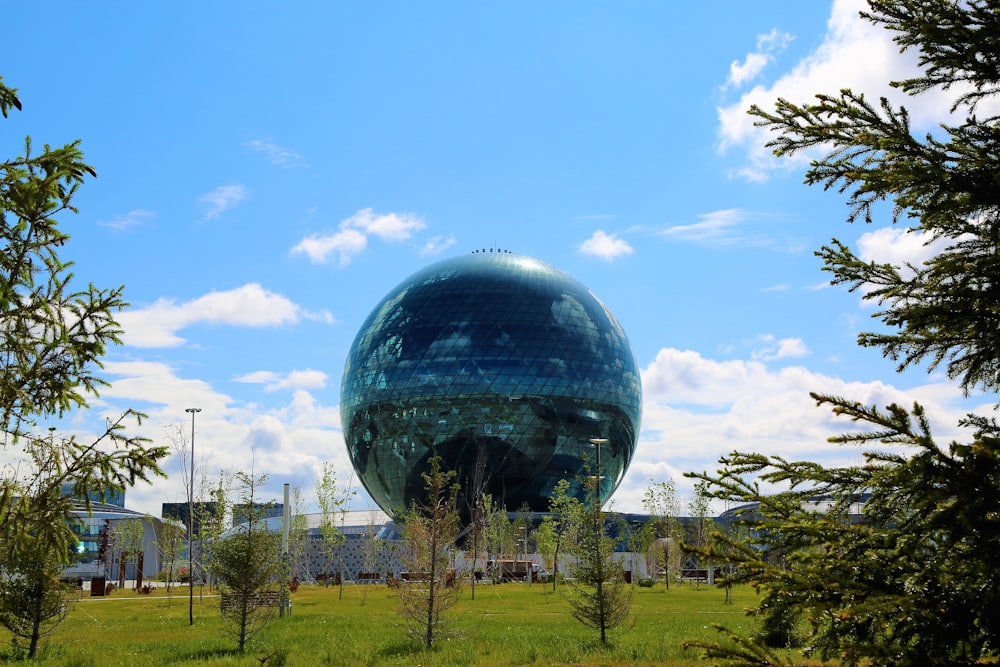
column 567, row 514
column 944, row 312
column 598, row 594
column 248, row 565
column 915, row 583
column 659, row 537
column 33, row 602
column 170, row 543
column 37, row 518
column 333, row 504
column 298, row 537
column 53, row 336
column 430, row 529
column 545, row 540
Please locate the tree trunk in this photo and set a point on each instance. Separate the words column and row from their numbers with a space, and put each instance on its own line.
column 429, row 638
column 555, row 564
column 36, row 630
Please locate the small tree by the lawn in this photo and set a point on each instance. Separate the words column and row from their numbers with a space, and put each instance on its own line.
column 128, row 537
column 171, row 546
column 248, row 565
column 105, row 548
column 545, row 540
column 33, row 601
column 37, row 517
column 210, row 518
column 566, row 512
column 661, row 531
column 598, row 594
column 298, row 537
column 498, row 534
column 430, row 530
column 333, row 503
column 699, row 534
column 475, row 542
column 522, row 534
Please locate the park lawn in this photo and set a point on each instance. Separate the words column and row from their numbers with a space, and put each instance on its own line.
column 507, row 624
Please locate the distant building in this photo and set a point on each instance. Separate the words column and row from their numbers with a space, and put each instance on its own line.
column 179, row 512
column 259, row 511
column 90, row 528
column 109, row 497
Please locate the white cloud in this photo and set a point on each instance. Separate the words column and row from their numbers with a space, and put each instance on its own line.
column 276, row 154
column 345, row 245
column 305, row 379
column 437, row 245
column 352, row 237
column 772, row 348
column 854, row 54
column 388, row 227
column 248, row 306
column 289, row 442
column 221, row 199
column 696, row 410
column 754, row 63
column 898, row 246
column 714, row 226
column 133, row 218
column 605, row 246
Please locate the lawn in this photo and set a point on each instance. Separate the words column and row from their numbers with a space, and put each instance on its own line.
column 508, row 624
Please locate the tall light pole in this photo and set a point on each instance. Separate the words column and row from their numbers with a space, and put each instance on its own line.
column 597, row 442
column 193, row 411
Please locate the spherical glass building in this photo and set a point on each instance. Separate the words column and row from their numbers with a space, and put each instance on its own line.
column 503, row 366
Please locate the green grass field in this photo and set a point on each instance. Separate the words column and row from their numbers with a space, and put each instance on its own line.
column 508, row 624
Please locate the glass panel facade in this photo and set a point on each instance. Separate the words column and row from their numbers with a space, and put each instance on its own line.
column 493, row 361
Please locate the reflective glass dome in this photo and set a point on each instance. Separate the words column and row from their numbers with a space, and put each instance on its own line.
column 495, row 362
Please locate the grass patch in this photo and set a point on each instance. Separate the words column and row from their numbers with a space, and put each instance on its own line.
column 509, row 624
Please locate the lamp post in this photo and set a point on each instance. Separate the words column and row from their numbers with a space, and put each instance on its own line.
column 597, row 442
column 193, row 411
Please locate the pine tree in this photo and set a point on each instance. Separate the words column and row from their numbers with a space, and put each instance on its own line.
column 915, row 581
column 53, row 336
column 33, row 601
column 946, row 311
column 248, row 565
column 598, row 594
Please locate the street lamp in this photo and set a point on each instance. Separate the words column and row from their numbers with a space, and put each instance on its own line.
column 193, row 411
column 597, row 442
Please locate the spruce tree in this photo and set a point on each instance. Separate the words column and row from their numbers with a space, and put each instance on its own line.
column 597, row 593
column 945, row 312
column 53, row 334
column 248, row 564
column 914, row 582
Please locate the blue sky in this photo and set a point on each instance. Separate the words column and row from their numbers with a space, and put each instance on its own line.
column 268, row 171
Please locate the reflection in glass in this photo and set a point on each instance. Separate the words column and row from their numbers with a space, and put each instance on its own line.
column 496, row 362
